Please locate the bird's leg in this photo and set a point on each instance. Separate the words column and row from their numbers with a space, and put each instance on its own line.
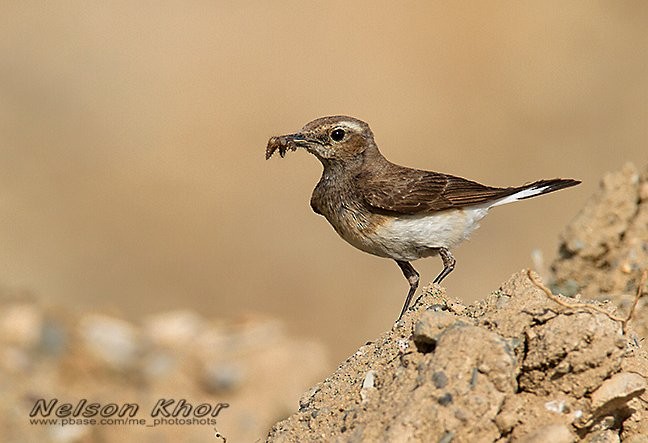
column 448, row 264
column 413, row 278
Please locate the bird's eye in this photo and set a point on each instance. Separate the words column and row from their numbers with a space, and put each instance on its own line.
column 337, row 134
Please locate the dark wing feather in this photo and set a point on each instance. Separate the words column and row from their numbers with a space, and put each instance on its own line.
column 411, row 191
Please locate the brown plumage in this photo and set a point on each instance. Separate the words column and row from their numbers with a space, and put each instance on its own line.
column 411, row 191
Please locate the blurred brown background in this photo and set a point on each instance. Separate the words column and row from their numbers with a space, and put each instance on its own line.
column 132, row 134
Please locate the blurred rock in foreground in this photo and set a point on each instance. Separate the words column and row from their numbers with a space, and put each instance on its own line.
column 251, row 365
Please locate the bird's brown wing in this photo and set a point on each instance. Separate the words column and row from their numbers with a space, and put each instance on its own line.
column 411, row 191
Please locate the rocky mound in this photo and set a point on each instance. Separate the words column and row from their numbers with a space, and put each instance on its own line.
column 521, row 365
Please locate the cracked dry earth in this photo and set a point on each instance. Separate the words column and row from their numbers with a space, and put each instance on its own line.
column 516, row 366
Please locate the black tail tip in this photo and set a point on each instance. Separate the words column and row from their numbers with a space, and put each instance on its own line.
column 551, row 185
column 561, row 183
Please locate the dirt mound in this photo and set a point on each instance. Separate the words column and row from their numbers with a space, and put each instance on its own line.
column 514, row 365
column 521, row 365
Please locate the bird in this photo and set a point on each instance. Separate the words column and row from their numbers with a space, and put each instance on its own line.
column 393, row 211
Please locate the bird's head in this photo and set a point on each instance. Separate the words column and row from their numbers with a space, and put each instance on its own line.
column 335, row 139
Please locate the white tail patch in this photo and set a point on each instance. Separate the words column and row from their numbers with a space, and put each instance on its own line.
column 524, row 193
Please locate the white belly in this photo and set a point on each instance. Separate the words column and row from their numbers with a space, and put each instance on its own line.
column 411, row 237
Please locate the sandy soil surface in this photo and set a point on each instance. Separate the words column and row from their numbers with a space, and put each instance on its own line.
column 520, row 365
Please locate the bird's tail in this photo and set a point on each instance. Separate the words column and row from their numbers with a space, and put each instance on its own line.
column 536, row 188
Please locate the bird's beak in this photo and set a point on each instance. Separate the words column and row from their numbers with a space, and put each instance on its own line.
column 288, row 142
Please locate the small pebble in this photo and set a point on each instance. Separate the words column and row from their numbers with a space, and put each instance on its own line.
column 369, row 379
column 112, row 340
column 620, row 387
column 447, row 437
column 223, row 376
column 557, row 406
column 445, row 399
column 174, row 328
column 439, row 379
